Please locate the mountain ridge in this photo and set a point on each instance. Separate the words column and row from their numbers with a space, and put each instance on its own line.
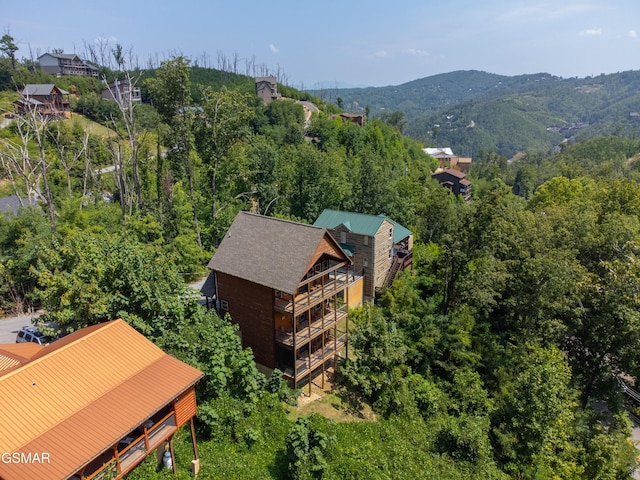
column 508, row 114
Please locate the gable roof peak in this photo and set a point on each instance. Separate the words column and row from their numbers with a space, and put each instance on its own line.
column 270, row 251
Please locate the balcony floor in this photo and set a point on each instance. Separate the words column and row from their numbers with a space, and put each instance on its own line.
column 304, row 334
column 306, row 364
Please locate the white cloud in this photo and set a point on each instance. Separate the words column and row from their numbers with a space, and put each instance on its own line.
column 590, row 32
column 381, row 54
column 103, row 39
column 273, row 48
column 632, row 34
column 417, row 52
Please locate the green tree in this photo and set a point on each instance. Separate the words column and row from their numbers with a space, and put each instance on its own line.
column 171, row 93
column 225, row 122
column 85, row 279
column 306, row 447
column 377, row 371
column 603, row 339
column 9, row 48
column 534, row 417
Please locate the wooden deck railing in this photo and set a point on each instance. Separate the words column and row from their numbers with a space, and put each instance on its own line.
column 311, row 331
column 307, row 363
column 136, row 450
column 329, row 285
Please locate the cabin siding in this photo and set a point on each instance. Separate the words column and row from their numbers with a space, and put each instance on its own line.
column 185, row 407
column 383, row 253
column 251, row 307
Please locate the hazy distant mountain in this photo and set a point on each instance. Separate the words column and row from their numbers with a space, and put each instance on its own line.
column 472, row 110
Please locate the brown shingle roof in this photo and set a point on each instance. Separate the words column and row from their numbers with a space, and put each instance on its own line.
column 269, row 251
column 80, row 395
column 40, row 89
column 450, row 171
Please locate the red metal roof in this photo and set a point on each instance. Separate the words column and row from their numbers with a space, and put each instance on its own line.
column 81, row 395
column 15, row 354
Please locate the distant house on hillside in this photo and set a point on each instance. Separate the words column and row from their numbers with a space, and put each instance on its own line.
column 46, row 99
column 454, row 180
column 66, row 64
column 93, row 404
column 288, row 286
column 376, row 244
column 447, row 159
column 122, row 91
column 356, row 118
column 267, row 89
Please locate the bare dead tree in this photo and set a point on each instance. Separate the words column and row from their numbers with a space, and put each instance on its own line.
column 90, row 52
column 122, row 94
column 263, row 69
column 33, row 57
column 131, row 59
column 68, row 156
column 32, row 169
column 234, row 62
column 114, row 145
column 87, row 160
column 220, row 58
column 250, row 66
column 17, row 166
column 104, row 52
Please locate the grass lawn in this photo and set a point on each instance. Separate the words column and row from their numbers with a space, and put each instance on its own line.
column 94, row 127
column 338, row 406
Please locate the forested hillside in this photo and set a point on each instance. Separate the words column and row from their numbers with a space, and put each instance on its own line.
column 497, row 356
column 473, row 111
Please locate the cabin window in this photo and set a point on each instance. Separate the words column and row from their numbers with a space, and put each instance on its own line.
column 365, row 262
column 325, row 265
column 391, row 232
column 343, row 237
column 365, row 240
column 317, row 268
column 224, row 305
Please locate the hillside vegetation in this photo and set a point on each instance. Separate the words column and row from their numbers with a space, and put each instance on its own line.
column 471, row 110
column 498, row 355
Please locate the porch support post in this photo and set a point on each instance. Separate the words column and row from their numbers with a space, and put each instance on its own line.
column 193, row 439
column 173, row 456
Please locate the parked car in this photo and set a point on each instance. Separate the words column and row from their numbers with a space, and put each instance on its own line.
column 31, row 333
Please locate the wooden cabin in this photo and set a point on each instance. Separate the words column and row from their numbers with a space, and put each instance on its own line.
column 92, row 405
column 377, row 245
column 267, row 89
column 288, row 287
column 66, row 64
column 454, row 180
column 44, row 99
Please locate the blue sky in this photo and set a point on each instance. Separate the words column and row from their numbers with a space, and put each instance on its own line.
column 356, row 43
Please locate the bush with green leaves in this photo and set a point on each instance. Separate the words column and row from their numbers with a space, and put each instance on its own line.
column 306, row 448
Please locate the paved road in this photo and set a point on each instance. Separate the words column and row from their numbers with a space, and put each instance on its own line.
column 10, row 326
column 309, row 109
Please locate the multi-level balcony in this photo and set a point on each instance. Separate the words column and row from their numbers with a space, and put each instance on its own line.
column 317, row 320
column 316, row 289
column 74, row 68
column 306, row 330
column 306, row 363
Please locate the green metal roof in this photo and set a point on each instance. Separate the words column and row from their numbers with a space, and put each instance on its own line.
column 359, row 223
column 348, row 249
column 399, row 232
